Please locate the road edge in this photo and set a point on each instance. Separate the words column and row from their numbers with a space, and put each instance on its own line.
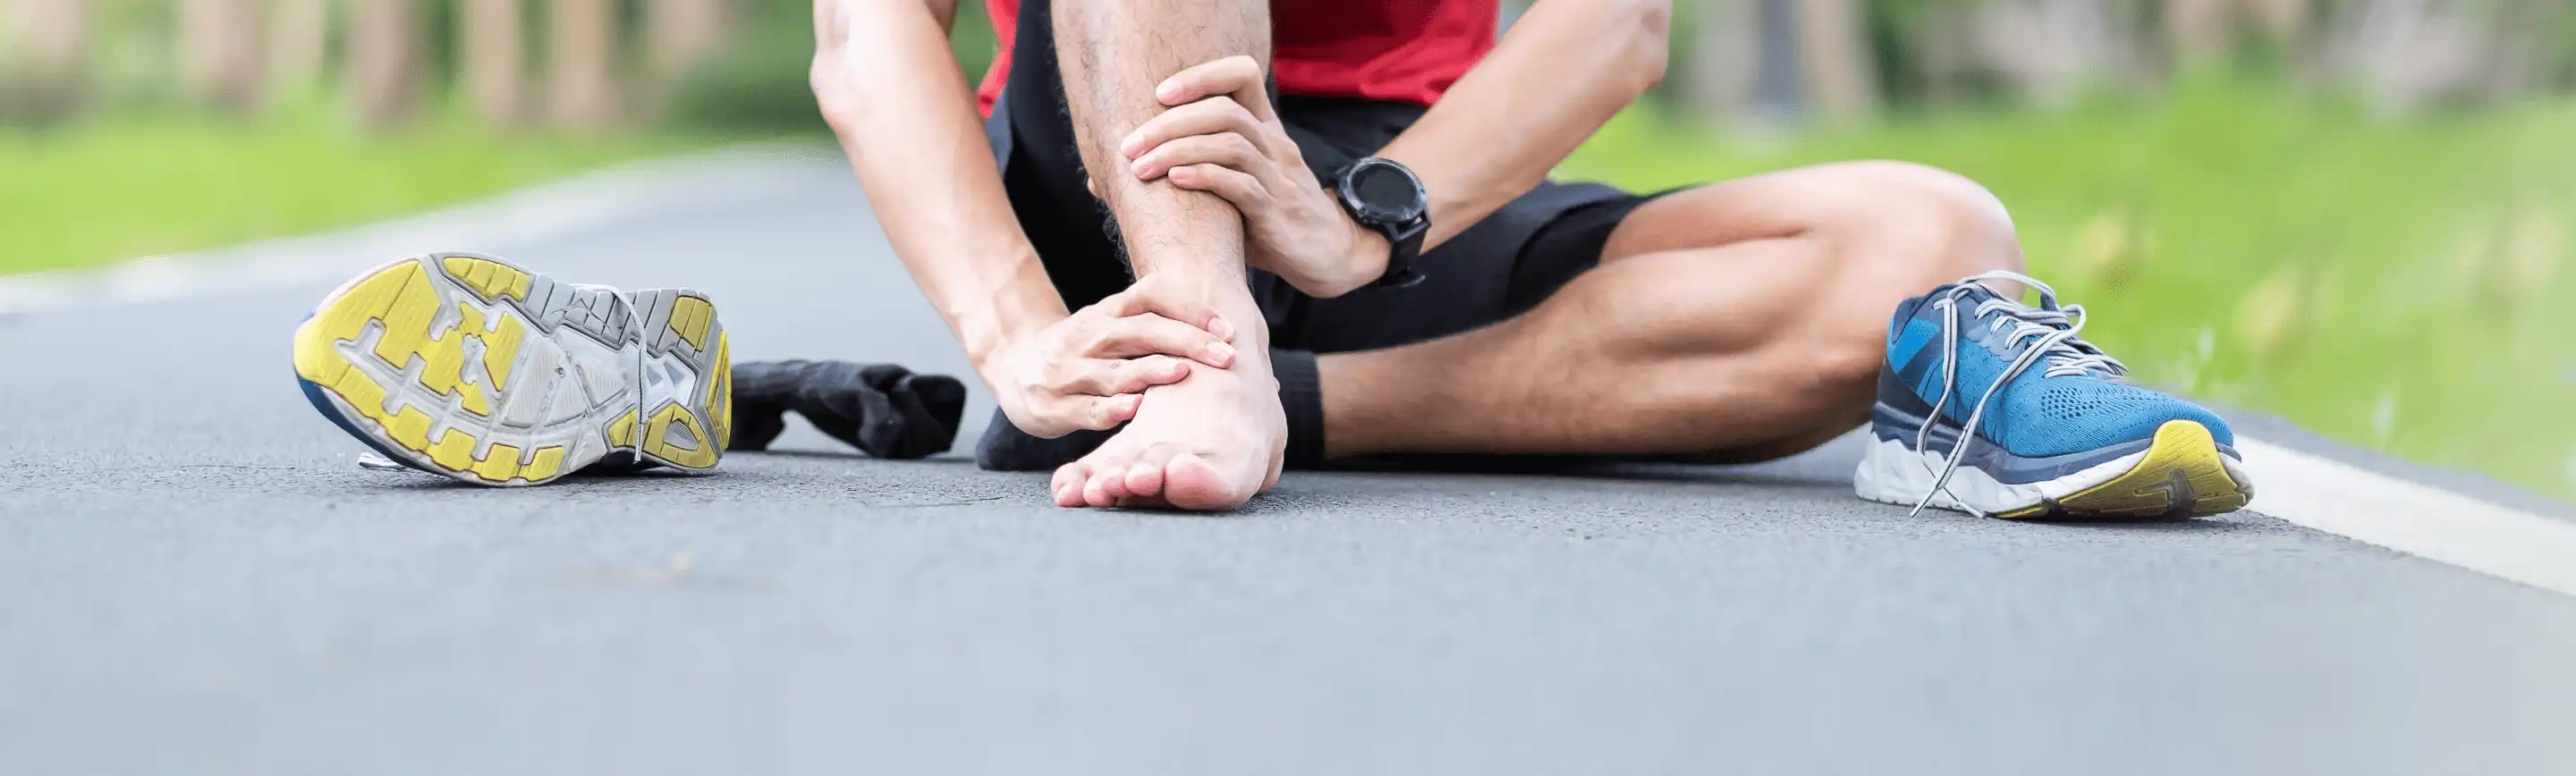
column 547, row 210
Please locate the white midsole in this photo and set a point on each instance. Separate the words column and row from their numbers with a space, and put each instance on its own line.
column 1893, row 474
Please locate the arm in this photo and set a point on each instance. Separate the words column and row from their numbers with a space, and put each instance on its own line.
column 914, row 141
column 888, row 85
column 1562, row 72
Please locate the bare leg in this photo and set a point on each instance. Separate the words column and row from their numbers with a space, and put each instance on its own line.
column 1744, row 320
column 1212, row 441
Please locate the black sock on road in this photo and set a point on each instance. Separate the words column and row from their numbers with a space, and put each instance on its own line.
column 884, row 410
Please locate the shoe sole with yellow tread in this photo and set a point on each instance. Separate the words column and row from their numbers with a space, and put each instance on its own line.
column 473, row 367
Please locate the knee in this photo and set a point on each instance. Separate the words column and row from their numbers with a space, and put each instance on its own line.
column 1931, row 219
column 1904, row 229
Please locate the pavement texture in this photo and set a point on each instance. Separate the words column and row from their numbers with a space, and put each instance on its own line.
column 196, row 578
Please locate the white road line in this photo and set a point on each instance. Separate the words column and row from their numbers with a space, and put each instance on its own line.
column 2412, row 518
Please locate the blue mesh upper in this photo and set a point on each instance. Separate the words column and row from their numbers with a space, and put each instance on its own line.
column 2034, row 415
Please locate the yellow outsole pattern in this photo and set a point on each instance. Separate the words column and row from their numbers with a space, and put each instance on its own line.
column 2182, row 475
column 401, row 299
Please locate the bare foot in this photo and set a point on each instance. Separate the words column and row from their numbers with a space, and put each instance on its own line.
column 1206, row 443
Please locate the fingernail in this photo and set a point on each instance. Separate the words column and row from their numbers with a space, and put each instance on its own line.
column 1223, row 353
column 1222, row 328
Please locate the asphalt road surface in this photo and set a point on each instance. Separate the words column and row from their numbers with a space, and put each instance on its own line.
column 196, row 578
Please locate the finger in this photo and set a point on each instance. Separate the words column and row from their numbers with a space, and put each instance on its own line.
column 1206, row 117
column 1119, row 377
column 1237, row 76
column 1240, row 188
column 1147, row 296
column 1136, row 375
column 1102, row 413
column 1225, row 148
column 1150, row 334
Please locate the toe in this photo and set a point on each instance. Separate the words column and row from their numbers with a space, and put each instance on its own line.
column 1145, row 479
column 1189, row 482
column 1145, row 475
column 1068, row 482
column 1107, row 485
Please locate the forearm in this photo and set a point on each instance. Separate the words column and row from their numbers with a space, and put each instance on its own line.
column 891, row 90
column 1566, row 67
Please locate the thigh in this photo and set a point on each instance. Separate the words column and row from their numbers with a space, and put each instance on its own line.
column 1534, row 246
column 1827, row 198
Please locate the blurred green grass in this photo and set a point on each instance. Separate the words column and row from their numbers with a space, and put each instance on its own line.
column 2396, row 285
column 130, row 185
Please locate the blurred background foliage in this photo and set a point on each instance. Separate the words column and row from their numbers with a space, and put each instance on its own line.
column 2357, row 214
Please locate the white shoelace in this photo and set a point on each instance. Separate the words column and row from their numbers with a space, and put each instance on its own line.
column 2050, row 333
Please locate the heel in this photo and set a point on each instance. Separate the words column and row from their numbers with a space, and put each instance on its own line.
column 1891, row 474
column 687, row 382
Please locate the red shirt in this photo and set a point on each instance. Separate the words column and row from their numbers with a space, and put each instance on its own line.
column 1402, row 50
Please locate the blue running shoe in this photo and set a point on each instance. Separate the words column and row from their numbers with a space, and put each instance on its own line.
column 1993, row 407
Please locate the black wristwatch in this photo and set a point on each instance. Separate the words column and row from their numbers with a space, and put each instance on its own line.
column 1385, row 197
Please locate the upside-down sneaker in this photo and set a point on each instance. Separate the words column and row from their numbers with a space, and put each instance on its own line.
column 469, row 366
column 1989, row 406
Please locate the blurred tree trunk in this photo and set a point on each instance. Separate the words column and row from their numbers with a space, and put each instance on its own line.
column 1939, row 44
column 2196, row 30
column 1725, row 57
column 2200, row 30
column 44, row 56
column 2050, row 50
column 1834, row 58
column 219, row 52
column 299, row 32
column 491, row 48
column 681, row 34
column 2285, row 20
column 2407, row 53
column 385, row 59
column 583, row 54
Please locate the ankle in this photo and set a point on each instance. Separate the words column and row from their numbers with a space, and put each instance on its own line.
column 1229, row 298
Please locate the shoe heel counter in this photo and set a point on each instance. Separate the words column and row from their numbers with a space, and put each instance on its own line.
column 687, row 394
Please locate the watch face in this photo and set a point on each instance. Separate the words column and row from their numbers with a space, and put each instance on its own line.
column 1386, row 191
